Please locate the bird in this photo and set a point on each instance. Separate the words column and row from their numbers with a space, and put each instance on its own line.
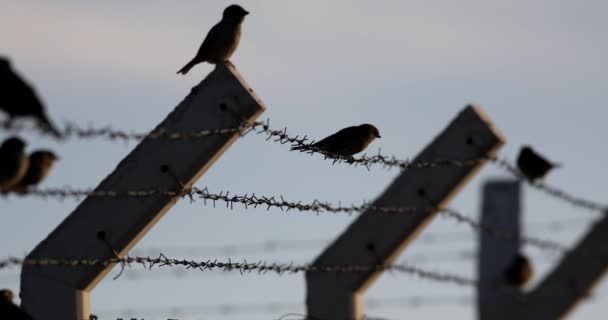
column 13, row 163
column 8, row 309
column 19, row 99
column 346, row 142
column 222, row 40
column 518, row 272
column 532, row 165
column 40, row 163
column 7, row 295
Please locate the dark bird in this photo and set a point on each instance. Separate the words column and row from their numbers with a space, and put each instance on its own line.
column 7, row 295
column 222, row 40
column 518, row 272
column 8, row 309
column 40, row 163
column 13, row 163
column 19, row 99
column 347, row 141
column 532, row 165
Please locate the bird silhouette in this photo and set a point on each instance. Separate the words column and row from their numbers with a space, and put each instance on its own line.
column 19, row 99
column 346, row 142
column 40, row 163
column 518, row 272
column 8, row 309
column 13, row 163
column 532, row 165
column 222, row 40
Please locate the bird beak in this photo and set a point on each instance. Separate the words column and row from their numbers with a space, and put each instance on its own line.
column 246, row 13
column 379, row 136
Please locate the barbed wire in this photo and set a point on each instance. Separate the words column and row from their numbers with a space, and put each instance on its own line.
column 306, row 145
column 315, row 206
column 260, row 267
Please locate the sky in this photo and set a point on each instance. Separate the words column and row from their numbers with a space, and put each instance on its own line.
column 538, row 69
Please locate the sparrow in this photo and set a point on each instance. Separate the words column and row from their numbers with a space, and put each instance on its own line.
column 346, row 142
column 40, row 163
column 532, row 165
column 13, row 163
column 19, row 99
column 8, row 309
column 222, row 40
column 518, row 272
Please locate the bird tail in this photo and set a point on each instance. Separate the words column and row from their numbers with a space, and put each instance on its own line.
column 187, row 67
column 46, row 125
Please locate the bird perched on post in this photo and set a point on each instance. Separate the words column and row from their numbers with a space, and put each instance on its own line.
column 13, row 163
column 532, row 165
column 222, row 40
column 347, row 141
column 40, row 163
column 19, row 99
column 518, row 272
column 8, row 309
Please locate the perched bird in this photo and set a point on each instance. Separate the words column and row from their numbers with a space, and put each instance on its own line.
column 8, row 309
column 347, row 141
column 7, row 295
column 13, row 163
column 19, row 99
column 40, row 163
column 518, row 272
column 532, row 165
column 222, row 40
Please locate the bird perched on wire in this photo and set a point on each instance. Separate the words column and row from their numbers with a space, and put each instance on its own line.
column 532, row 165
column 518, row 272
column 222, row 40
column 40, row 163
column 13, row 163
column 8, row 309
column 345, row 142
column 19, row 99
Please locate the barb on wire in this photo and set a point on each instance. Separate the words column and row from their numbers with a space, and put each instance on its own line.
column 260, row 267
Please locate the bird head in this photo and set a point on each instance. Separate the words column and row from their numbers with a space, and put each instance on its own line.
column 526, row 149
column 235, row 13
column 7, row 295
column 371, row 130
column 45, row 158
column 13, row 144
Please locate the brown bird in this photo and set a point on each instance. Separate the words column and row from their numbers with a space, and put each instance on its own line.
column 13, row 163
column 532, row 165
column 518, row 272
column 222, row 40
column 347, row 141
column 19, row 99
column 40, row 163
column 8, row 309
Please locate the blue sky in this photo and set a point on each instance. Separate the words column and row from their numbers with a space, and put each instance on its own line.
column 537, row 68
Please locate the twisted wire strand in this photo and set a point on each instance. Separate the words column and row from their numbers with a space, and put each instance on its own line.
column 315, row 206
column 260, row 267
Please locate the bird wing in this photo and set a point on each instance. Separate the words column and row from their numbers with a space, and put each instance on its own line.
column 22, row 96
column 210, row 41
column 336, row 142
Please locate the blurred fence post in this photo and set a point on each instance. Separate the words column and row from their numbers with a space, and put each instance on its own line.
column 98, row 227
column 501, row 210
column 376, row 238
